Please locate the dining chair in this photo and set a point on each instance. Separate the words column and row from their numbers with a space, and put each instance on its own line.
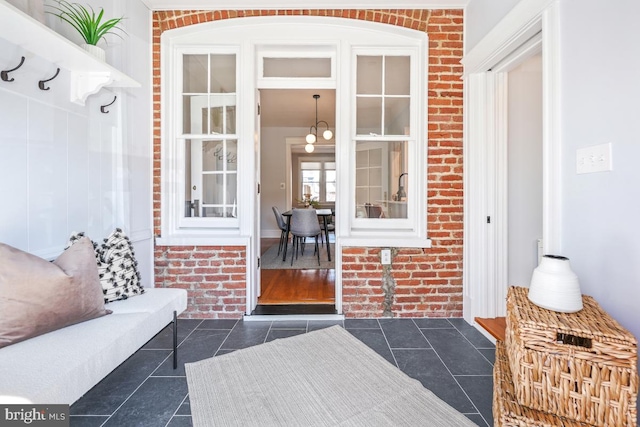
column 374, row 211
column 304, row 223
column 331, row 227
column 282, row 225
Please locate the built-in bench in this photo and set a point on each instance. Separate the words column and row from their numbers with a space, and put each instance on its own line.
column 61, row 366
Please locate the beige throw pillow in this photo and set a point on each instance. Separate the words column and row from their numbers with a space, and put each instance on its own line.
column 38, row 296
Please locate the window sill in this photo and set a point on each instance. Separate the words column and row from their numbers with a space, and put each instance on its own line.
column 384, row 242
column 203, row 240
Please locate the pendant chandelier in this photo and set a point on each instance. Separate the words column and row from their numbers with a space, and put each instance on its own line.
column 312, row 137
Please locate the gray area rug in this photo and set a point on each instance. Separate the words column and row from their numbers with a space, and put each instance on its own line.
column 270, row 260
column 321, row 378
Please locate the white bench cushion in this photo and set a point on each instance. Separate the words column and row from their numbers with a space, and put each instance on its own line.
column 61, row 366
column 153, row 300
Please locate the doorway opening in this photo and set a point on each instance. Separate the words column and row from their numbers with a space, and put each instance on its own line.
column 290, row 177
column 489, row 267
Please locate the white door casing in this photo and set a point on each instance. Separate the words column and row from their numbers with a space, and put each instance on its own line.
column 485, row 159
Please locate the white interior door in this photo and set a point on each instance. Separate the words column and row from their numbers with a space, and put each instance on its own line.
column 524, row 176
column 512, row 173
column 256, row 251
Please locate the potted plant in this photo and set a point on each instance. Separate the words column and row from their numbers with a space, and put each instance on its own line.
column 309, row 202
column 88, row 23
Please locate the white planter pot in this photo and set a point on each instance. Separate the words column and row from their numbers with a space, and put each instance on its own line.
column 555, row 286
column 96, row 51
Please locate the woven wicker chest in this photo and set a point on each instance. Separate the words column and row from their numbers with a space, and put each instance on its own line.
column 581, row 366
column 507, row 412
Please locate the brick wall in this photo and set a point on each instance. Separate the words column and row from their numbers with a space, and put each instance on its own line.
column 214, row 276
column 427, row 283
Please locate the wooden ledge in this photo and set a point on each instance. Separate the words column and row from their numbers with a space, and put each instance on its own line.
column 495, row 326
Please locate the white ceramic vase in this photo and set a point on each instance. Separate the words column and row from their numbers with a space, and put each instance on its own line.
column 555, row 286
column 96, row 51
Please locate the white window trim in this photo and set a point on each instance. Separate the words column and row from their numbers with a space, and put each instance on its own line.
column 175, row 228
column 412, row 231
column 359, row 35
column 292, row 51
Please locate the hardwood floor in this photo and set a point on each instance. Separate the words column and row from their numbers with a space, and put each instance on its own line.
column 297, row 287
column 293, row 286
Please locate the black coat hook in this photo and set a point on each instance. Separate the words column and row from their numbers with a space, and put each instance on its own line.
column 42, row 82
column 5, row 74
column 103, row 107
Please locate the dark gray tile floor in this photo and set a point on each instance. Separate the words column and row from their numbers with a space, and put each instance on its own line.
column 448, row 356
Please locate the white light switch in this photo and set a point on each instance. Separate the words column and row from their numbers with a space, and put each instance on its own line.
column 594, row 159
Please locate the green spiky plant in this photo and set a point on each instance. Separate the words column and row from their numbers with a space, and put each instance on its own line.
column 86, row 21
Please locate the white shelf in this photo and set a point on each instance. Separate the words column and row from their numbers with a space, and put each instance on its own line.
column 88, row 74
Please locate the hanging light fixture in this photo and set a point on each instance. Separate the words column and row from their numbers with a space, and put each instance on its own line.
column 312, row 137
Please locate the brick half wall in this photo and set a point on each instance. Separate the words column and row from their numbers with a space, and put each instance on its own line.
column 214, row 277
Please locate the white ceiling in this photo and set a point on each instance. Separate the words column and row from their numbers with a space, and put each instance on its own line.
column 303, row 4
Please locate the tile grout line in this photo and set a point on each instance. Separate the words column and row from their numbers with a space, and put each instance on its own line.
column 226, row 338
column 151, row 374
column 477, row 348
column 388, row 345
column 178, row 408
column 453, row 376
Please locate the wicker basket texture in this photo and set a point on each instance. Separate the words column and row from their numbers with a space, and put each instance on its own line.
column 507, row 412
column 582, row 366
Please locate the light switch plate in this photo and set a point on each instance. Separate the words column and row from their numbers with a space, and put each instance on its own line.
column 594, row 159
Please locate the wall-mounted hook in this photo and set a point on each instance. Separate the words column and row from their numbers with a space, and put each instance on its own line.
column 42, row 82
column 5, row 74
column 103, row 107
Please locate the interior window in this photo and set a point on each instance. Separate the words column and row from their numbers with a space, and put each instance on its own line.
column 383, row 136
column 209, row 135
column 318, row 180
column 297, row 67
column 381, row 179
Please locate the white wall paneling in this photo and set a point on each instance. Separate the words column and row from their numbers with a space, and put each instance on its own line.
column 66, row 167
column 13, row 166
column 88, row 74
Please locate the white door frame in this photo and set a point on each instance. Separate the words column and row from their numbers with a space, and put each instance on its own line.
column 485, row 156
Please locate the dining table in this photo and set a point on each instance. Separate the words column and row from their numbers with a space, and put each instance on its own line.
column 325, row 214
